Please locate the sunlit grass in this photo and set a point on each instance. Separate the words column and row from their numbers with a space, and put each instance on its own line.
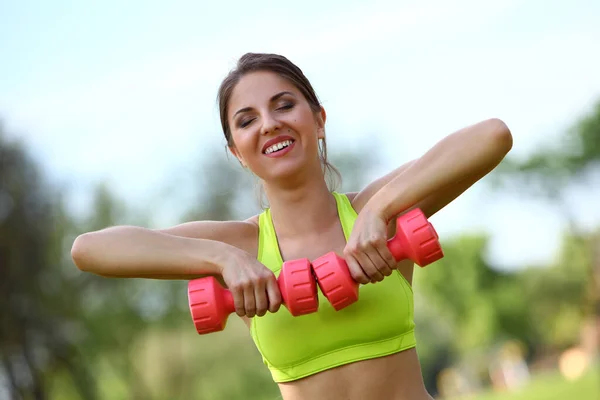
column 550, row 386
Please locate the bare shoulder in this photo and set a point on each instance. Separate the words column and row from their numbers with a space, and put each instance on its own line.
column 242, row 234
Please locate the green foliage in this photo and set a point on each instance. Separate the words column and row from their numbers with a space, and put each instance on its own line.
column 557, row 295
column 223, row 186
column 466, row 307
column 354, row 166
column 552, row 168
column 460, row 286
column 570, row 289
column 40, row 309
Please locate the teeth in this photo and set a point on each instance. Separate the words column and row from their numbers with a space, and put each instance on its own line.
column 278, row 146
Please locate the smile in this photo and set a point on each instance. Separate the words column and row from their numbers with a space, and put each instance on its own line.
column 278, row 146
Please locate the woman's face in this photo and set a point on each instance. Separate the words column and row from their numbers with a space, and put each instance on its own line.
column 274, row 130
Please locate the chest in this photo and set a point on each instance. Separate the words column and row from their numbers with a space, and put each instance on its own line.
column 380, row 323
column 314, row 245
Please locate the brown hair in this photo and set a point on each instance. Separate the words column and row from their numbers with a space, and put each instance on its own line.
column 252, row 62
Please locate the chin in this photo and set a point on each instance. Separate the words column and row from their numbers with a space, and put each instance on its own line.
column 285, row 172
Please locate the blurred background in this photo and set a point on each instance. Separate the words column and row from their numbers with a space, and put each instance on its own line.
column 108, row 117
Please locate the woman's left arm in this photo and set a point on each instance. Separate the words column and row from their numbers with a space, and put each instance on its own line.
column 445, row 171
column 430, row 183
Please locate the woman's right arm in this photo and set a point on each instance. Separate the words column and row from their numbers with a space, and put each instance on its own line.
column 136, row 252
column 186, row 251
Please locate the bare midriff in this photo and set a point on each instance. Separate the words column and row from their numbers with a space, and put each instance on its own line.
column 394, row 377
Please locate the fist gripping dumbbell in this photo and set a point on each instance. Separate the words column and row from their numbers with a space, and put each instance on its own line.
column 210, row 304
column 415, row 239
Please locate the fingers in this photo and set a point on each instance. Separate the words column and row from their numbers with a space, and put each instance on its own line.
column 237, row 292
column 260, row 297
column 370, row 267
column 244, row 298
column 274, row 295
column 249, row 300
column 355, row 268
column 256, row 295
column 266, row 293
column 369, row 262
column 388, row 262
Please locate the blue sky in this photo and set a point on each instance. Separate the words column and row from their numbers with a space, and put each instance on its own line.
column 125, row 91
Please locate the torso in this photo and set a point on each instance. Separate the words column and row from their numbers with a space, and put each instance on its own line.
column 397, row 376
column 394, row 377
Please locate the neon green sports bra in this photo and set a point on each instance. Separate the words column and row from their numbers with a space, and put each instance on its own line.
column 380, row 323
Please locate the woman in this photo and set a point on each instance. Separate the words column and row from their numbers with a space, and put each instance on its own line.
column 275, row 126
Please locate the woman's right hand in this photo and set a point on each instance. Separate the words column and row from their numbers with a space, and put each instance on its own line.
column 253, row 286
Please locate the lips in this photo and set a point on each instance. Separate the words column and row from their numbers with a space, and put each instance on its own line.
column 275, row 140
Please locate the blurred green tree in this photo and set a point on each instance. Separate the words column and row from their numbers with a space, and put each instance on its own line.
column 553, row 169
column 464, row 306
column 41, row 302
column 554, row 296
column 551, row 172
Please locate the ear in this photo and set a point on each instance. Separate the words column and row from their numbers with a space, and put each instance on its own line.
column 321, row 117
column 237, row 155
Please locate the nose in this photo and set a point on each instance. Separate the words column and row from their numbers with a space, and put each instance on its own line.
column 270, row 124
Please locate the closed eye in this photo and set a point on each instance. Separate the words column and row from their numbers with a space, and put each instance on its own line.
column 245, row 123
column 288, row 106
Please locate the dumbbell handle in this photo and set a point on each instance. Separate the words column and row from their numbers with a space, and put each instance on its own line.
column 228, row 302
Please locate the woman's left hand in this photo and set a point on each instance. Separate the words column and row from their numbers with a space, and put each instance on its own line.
column 366, row 253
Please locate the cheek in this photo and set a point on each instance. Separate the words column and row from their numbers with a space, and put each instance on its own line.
column 310, row 130
column 243, row 141
column 246, row 144
column 305, row 122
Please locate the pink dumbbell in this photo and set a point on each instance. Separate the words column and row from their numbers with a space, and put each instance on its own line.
column 210, row 304
column 415, row 239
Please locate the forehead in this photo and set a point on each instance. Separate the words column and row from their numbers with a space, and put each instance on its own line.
column 257, row 88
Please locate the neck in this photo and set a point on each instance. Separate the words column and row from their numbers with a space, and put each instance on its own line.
column 301, row 209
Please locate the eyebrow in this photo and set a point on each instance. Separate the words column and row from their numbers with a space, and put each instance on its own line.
column 274, row 98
